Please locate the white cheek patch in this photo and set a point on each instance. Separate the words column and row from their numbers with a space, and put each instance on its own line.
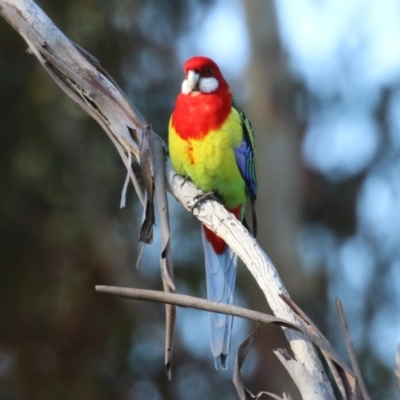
column 208, row 85
column 186, row 87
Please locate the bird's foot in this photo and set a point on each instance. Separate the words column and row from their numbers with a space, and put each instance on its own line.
column 185, row 179
column 202, row 197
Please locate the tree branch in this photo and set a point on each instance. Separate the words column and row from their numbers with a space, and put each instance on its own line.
column 212, row 306
column 301, row 377
column 217, row 218
column 192, row 302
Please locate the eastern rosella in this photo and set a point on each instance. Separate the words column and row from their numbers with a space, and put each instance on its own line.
column 211, row 142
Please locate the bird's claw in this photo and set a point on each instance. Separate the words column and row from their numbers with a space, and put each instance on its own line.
column 202, row 197
column 185, row 179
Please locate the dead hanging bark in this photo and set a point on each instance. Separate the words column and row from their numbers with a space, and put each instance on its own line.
column 86, row 82
column 81, row 76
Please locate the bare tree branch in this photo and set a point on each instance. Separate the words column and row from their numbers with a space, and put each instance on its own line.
column 217, row 218
column 183, row 300
column 206, row 305
column 302, row 378
column 345, row 379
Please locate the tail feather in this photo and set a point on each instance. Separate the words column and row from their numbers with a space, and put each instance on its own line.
column 221, row 276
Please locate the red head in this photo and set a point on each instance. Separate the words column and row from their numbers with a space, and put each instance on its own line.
column 205, row 101
column 202, row 75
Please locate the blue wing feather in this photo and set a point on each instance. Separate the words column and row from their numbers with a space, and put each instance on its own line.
column 245, row 155
column 246, row 162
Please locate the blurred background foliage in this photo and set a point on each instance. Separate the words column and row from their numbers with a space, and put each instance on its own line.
column 320, row 82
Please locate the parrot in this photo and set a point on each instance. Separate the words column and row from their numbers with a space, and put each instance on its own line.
column 211, row 142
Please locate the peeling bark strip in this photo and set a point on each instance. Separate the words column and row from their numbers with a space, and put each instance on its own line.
column 87, row 83
column 145, row 159
column 83, row 79
column 244, row 348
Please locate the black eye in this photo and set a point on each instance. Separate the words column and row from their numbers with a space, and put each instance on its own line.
column 208, row 71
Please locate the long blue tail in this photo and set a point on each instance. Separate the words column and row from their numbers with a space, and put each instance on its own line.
column 221, row 275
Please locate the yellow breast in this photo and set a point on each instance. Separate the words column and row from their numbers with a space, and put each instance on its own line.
column 210, row 161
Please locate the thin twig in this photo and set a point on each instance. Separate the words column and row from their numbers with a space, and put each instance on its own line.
column 350, row 348
column 193, row 302
column 207, row 305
